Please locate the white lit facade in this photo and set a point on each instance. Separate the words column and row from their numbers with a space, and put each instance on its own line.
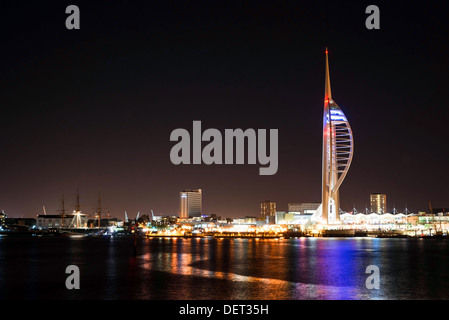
column 75, row 220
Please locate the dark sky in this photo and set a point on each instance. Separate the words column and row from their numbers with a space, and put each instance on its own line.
column 94, row 108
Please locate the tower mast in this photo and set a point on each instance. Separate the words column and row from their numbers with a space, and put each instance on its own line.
column 327, row 85
column 328, row 175
column 326, row 138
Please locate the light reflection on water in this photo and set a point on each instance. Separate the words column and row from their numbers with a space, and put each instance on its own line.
column 305, row 268
column 241, row 269
column 232, row 262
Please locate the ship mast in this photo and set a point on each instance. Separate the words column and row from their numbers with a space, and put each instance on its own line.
column 99, row 209
column 77, row 207
column 62, row 211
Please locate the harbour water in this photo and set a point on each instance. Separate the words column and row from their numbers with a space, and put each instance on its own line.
column 218, row 269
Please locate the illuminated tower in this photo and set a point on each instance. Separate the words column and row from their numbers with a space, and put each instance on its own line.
column 338, row 149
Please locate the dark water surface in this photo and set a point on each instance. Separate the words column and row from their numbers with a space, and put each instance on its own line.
column 241, row 269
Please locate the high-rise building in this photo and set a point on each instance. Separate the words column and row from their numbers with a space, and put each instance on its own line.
column 2, row 218
column 338, row 150
column 378, row 203
column 190, row 203
column 267, row 209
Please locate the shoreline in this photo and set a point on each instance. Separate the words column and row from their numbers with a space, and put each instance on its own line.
column 351, row 233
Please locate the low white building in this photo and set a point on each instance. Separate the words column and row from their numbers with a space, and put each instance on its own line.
column 292, row 218
column 50, row 221
column 373, row 218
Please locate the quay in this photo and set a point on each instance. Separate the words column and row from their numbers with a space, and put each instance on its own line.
column 349, row 233
column 327, row 233
column 218, row 235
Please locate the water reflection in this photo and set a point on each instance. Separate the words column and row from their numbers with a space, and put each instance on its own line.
column 208, row 268
column 264, row 269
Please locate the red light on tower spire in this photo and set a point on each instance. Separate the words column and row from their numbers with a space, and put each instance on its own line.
column 327, row 92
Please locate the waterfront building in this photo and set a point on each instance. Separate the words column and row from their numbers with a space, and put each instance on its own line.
column 190, row 203
column 280, row 217
column 378, row 203
column 165, row 220
column 429, row 219
column 337, row 154
column 388, row 221
column 303, row 208
column 267, row 210
column 245, row 220
column 373, row 219
column 51, row 221
column 20, row 223
column 67, row 221
column 292, row 218
column 104, row 222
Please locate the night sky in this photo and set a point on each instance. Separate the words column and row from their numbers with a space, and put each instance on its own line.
column 94, row 108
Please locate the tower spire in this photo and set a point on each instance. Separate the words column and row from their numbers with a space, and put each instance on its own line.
column 327, row 92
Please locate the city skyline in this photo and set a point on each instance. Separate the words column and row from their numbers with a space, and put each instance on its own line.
column 93, row 108
column 91, row 211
